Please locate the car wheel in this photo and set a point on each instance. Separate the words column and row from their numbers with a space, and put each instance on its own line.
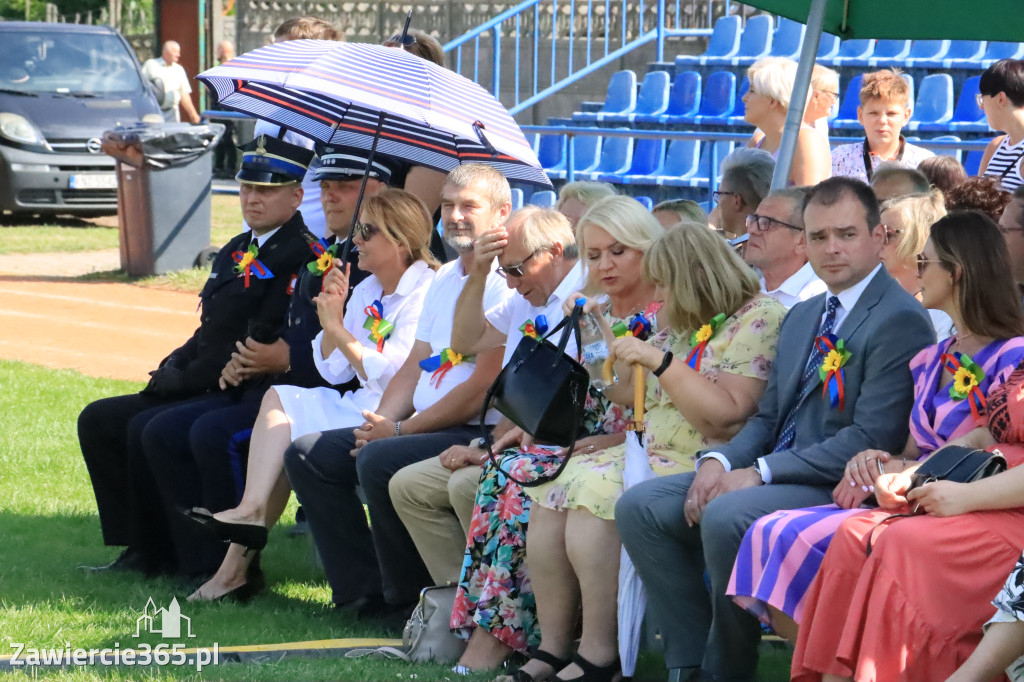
column 206, row 257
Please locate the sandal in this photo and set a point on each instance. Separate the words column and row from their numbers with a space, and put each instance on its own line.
column 596, row 673
column 555, row 662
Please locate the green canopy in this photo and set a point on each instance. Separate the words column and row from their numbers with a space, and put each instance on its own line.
column 914, row 19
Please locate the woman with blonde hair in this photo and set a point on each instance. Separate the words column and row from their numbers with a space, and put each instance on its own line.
column 369, row 340
column 704, row 379
column 767, row 103
column 907, row 222
column 576, row 197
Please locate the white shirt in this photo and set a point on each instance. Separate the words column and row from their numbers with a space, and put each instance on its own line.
column 511, row 314
column 435, row 328
column 800, row 286
column 848, row 159
column 847, row 299
column 261, row 239
column 311, row 208
column 401, row 308
column 175, row 82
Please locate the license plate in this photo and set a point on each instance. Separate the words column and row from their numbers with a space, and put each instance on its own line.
column 94, row 181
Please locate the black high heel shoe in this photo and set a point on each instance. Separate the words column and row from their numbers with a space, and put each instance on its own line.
column 248, row 535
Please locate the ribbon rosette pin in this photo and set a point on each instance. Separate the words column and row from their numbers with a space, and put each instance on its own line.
column 638, row 326
column 380, row 329
column 325, row 256
column 535, row 330
column 247, row 263
column 833, row 376
column 440, row 364
column 700, row 338
column 967, row 378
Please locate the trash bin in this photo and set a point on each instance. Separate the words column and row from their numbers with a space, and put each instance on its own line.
column 163, row 193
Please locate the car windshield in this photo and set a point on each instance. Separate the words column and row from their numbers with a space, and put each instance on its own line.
column 66, row 64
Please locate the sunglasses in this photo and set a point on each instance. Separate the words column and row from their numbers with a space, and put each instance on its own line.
column 717, row 195
column 890, row 233
column 514, row 270
column 922, row 263
column 763, row 223
column 365, row 231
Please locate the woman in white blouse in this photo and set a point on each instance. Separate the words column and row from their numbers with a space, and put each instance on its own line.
column 370, row 340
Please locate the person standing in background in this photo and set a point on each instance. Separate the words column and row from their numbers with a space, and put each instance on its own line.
column 175, row 82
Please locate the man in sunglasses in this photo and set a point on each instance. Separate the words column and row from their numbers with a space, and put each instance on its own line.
column 778, row 250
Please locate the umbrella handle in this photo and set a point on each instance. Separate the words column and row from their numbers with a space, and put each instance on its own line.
column 639, row 394
column 608, row 372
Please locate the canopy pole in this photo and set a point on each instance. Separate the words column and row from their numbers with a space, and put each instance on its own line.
column 798, row 100
column 362, row 187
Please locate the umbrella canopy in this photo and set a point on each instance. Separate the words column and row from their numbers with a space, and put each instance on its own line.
column 337, row 93
column 910, row 19
column 632, row 598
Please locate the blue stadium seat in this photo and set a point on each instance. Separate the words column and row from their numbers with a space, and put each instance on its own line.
column 955, row 153
column 680, row 162
column 620, row 100
column 517, row 198
column 719, row 99
column 754, row 43
column 934, row 107
column 700, row 178
column 847, row 116
column 652, row 101
column 740, row 109
column 616, row 153
column 551, row 151
column 968, row 116
column 997, row 50
column 683, row 99
column 828, row 47
column 972, row 164
column 724, row 42
column 789, row 36
column 860, row 48
column 928, row 54
column 962, row 55
column 647, row 202
column 648, row 159
column 890, row 52
column 545, row 199
column 586, row 149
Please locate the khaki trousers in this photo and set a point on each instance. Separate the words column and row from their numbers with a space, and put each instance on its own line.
column 436, row 506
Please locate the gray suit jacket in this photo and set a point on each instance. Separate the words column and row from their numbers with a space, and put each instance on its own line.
column 885, row 329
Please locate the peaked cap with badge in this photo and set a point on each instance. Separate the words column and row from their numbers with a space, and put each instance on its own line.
column 349, row 163
column 270, row 161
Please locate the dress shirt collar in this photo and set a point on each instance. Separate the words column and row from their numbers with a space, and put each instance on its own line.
column 849, row 297
column 570, row 283
column 262, row 238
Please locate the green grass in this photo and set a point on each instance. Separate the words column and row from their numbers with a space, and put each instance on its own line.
column 49, row 522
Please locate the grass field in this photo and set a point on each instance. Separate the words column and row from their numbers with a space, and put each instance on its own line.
column 47, row 513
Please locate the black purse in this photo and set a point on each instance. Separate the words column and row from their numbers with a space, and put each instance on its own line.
column 951, row 463
column 542, row 391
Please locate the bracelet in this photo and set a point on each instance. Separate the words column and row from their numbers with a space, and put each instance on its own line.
column 398, row 428
column 665, row 362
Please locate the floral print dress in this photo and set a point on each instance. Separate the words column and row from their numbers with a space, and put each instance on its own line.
column 494, row 589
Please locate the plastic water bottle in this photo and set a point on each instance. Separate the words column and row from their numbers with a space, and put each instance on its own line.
column 595, row 348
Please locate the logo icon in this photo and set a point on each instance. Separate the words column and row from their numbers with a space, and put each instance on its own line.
column 163, row 622
column 94, row 145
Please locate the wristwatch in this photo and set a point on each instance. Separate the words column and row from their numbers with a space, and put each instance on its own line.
column 478, row 443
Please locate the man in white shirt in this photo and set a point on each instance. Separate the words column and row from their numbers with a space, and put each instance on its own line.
column 793, row 452
column 175, row 81
column 778, row 249
column 431, row 403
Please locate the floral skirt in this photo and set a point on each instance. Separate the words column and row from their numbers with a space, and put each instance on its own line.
column 494, row 590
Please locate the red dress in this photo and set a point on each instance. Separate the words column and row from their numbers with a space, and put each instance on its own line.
column 914, row 609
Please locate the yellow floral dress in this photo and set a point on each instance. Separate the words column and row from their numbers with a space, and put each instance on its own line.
column 744, row 345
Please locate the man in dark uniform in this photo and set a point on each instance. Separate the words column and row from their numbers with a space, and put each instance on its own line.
column 197, row 450
column 246, row 296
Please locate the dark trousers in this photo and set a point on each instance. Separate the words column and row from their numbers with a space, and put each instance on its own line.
column 110, row 434
column 698, row 629
column 193, row 451
column 324, row 476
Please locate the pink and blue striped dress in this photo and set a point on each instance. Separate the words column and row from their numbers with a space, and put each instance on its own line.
column 781, row 552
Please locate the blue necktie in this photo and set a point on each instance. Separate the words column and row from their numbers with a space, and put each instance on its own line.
column 810, row 376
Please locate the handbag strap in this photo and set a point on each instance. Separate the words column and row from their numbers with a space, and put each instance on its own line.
column 871, row 534
column 573, row 322
column 489, row 442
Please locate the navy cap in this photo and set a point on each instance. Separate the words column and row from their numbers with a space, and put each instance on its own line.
column 270, row 161
column 349, row 163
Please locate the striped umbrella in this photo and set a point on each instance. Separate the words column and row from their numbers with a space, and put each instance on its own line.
column 354, row 93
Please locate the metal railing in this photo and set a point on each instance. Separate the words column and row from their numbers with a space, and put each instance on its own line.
column 550, row 44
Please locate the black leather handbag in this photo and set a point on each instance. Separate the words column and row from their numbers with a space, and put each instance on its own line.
column 542, row 391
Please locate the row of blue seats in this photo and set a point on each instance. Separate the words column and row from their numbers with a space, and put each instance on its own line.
column 685, row 101
column 679, row 163
column 547, row 199
column 732, row 44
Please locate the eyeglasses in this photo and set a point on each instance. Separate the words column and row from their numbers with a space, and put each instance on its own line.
column 404, row 41
column 365, row 231
column 514, row 270
column 980, row 99
column 833, row 95
column 922, row 263
column 1007, row 229
column 717, row 195
column 764, row 223
column 890, row 232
